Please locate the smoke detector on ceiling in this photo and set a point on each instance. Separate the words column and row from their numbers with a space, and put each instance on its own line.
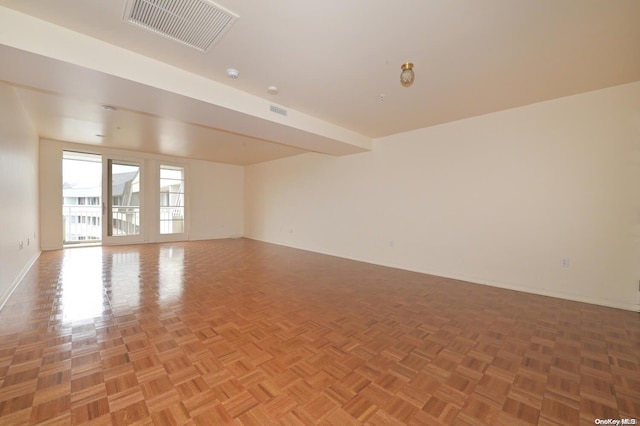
column 196, row 23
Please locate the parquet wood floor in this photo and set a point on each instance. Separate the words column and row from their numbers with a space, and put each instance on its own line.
column 243, row 332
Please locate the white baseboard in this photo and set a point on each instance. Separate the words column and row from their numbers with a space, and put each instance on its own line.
column 628, row 306
column 4, row 297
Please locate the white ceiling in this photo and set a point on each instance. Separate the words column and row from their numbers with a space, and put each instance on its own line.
column 65, row 118
column 333, row 59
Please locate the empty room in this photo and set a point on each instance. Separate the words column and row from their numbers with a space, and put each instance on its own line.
column 351, row 212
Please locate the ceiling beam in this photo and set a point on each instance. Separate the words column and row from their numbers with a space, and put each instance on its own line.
column 47, row 57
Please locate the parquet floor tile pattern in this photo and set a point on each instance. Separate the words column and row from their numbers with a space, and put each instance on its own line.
column 248, row 333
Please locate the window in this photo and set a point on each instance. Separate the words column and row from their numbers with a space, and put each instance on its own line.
column 171, row 199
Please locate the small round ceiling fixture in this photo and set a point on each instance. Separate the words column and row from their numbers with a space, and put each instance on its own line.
column 233, row 73
column 272, row 90
column 109, row 107
column 407, row 76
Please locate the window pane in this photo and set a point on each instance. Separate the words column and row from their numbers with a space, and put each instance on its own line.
column 171, row 200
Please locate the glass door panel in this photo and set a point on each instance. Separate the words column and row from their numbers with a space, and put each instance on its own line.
column 123, row 210
column 81, row 197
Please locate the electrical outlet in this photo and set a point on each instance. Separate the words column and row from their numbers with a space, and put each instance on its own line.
column 565, row 262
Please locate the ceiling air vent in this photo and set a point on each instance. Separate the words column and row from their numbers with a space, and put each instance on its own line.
column 278, row 110
column 196, row 23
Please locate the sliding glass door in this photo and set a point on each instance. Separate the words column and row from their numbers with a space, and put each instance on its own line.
column 104, row 200
column 81, row 198
column 122, row 207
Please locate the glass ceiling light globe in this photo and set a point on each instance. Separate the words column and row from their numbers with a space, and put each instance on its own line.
column 233, row 73
column 407, row 76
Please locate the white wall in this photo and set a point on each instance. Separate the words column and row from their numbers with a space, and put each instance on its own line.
column 499, row 199
column 18, row 192
column 218, row 213
column 214, row 194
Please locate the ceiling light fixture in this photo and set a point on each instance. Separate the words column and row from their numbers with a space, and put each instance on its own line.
column 233, row 73
column 272, row 90
column 108, row 108
column 407, row 76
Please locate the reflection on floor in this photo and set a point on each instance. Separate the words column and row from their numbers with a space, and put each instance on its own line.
column 237, row 331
